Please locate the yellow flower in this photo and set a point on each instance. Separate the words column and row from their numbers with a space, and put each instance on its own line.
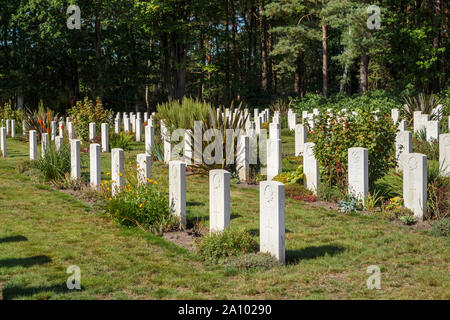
column 110, row 199
column 141, row 205
column 108, row 173
column 107, row 189
column 120, row 174
column 155, row 182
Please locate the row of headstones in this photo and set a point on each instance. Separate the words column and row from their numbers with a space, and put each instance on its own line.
column 9, row 128
column 272, row 207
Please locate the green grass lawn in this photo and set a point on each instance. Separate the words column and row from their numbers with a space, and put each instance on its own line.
column 44, row 231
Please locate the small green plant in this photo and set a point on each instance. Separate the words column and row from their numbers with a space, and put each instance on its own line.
column 259, row 261
column 291, row 177
column 220, row 245
column 157, row 151
column 145, row 206
column 408, row 219
column 441, row 228
column 55, row 164
column 121, row 140
column 372, row 200
column 394, row 203
column 351, row 204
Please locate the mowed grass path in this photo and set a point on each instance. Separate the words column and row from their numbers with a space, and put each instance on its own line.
column 43, row 231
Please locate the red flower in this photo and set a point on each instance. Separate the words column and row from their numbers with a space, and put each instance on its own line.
column 40, row 121
column 48, row 130
column 62, row 127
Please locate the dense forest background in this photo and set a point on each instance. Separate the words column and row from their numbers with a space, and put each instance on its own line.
column 135, row 54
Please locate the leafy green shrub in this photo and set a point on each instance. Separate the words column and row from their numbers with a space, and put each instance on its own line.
column 7, row 112
column 441, row 228
column 145, row 206
column 371, row 101
column 351, row 204
column 333, row 135
column 408, row 219
column 85, row 112
column 260, row 261
column 291, row 177
column 428, row 148
column 219, row 245
column 121, row 140
column 55, row 164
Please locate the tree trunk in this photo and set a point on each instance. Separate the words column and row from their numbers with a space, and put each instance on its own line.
column 363, row 74
column 324, row 61
column 273, row 75
column 299, row 77
column 264, row 67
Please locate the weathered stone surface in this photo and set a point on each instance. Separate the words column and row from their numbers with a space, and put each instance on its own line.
column 219, row 200
column 272, row 219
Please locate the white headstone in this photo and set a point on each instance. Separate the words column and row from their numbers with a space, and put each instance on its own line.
column 177, row 190
column 301, row 134
column 91, row 131
column 144, row 167
column 188, row 146
column 432, row 130
column 117, row 170
column 61, row 128
column 274, row 131
column 95, row 165
column 444, row 154
column 33, row 145
column 58, row 142
column 403, row 145
column 117, row 126
column 417, row 120
column 415, row 184
column 126, row 124
column 272, row 219
column 70, row 130
column 395, row 114
column 219, row 200
column 138, row 126
column 3, row 141
column 310, row 167
column 358, row 172
column 45, row 143
column 75, row 166
column 243, row 158
column 53, row 130
column 105, row 137
column 149, row 135
column 273, row 158
column 13, row 128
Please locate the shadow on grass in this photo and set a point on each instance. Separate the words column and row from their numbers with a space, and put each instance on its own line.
column 13, row 239
column 194, row 203
column 255, row 232
column 294, row 256
column 24, row 262
column 14, row 292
